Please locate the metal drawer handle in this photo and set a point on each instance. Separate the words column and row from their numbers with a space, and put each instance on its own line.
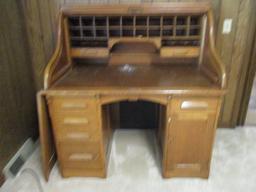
column 73, row 105
column 78, row 136
column 75, row 121
column 194, row 105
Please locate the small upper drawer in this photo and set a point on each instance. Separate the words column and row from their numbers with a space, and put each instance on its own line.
column 194, row 104
column 65, row 104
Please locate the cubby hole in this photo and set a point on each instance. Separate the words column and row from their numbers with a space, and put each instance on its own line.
column 100, row 21
column 114, row 21
column 180, row 32
column 181, row 20
column 167, row 32
column 127, row 33
column 87, row 21
column 194, row 32
column 154, row 20
column 154, row 33
column 195, row 20
column 141, row 33
column 74, row 21
column 127, row 21
column 114, row 33
column 141, row 21
column 101, row 33
column 168, row 21
column 88, row 33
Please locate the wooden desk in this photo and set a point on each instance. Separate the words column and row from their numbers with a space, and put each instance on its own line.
column 89, row 75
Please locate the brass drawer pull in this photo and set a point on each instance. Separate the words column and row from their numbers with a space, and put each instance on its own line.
column 73, row 106
column 81, row 157
column 194, row 105
column 75, row 121
column 78, row 136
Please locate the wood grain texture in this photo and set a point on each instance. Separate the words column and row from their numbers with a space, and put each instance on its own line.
column 17, row 93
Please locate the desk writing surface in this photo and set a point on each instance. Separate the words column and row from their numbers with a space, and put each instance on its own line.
column 134, row 76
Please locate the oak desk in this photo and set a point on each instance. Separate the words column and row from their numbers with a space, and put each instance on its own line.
column 160, row 53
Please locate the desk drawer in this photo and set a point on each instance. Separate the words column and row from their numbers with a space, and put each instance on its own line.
column 72, row 104
column 194, row 104
column 80, row 155
column 76, row 126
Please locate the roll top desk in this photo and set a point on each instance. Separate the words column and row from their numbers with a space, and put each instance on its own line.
column 105, row 54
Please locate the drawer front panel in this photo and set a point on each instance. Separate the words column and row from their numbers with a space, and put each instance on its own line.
column 74, row 118
column 72, row 104
column 76, row 126
column 80, row 155
column 191, row 104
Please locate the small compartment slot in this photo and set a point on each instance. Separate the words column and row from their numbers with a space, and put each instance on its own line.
column 74, row 21
column 87, row 21
column 100, row 21
column 101, row 33
column 181, row 20
column 168, row 21
column 167, row 32
column 141, row 21
column 154, row 20
column 88, row 33
column 114, row 21
column 194, row 32
column 181, row 32
column 127, row 21
column 195, row 20
column 127, row 33
column 114, row 33
column 154, row 33
column 141, row 33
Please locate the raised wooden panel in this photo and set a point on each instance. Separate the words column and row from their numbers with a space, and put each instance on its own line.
column 189, row 147
column 80, row 155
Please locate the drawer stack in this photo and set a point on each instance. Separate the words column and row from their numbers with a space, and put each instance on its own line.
column 78, row 136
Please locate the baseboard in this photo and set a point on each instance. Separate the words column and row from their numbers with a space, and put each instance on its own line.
column 251, row 117
column 2, row 179
column 18, row 160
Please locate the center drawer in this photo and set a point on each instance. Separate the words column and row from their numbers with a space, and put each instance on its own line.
column 80, row 155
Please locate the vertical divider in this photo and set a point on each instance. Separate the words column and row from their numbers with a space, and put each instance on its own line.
column 94, row 27
column 147, row 26
column 174, row 26
column 121, row 26
column 161, row 26
column 188, row 25
column 107, row 27
column 81, row 28
column 134, row 26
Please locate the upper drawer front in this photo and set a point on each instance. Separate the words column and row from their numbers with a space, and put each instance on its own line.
column 72, row 104
column 194, row 104
column 80, row 155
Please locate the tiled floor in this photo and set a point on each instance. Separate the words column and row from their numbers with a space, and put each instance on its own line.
column 134, row 166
